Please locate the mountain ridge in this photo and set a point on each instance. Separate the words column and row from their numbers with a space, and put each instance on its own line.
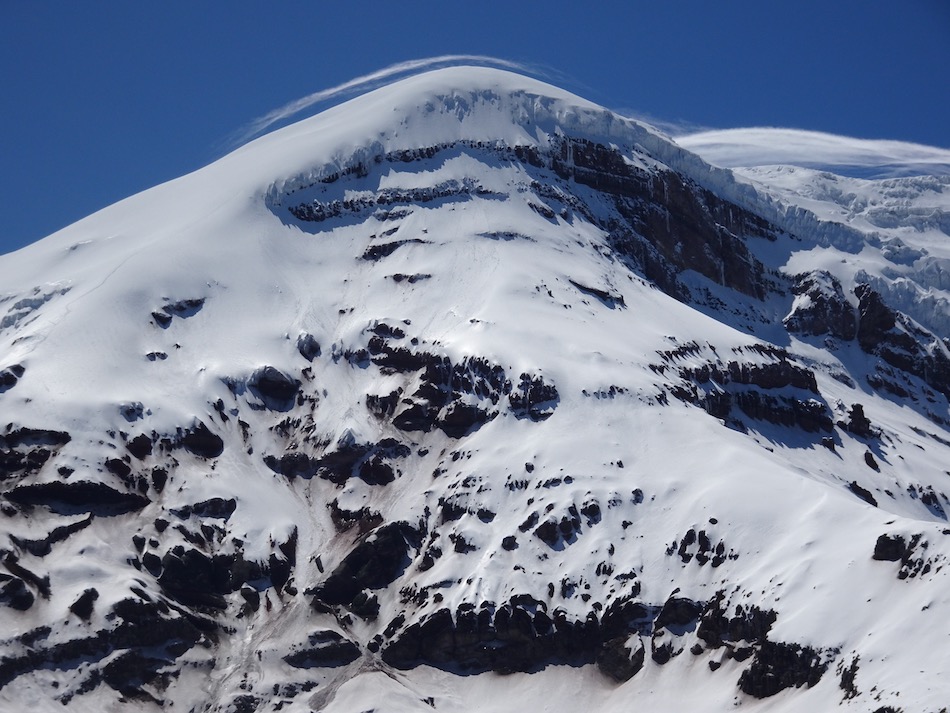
column 401, row 392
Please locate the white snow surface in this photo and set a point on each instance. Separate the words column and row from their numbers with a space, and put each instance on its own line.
column 496, row 282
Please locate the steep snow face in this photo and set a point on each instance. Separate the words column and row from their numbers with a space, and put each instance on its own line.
column 471, row 376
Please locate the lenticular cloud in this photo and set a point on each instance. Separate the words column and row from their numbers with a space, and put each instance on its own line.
column 365, row 83
column 765, row 146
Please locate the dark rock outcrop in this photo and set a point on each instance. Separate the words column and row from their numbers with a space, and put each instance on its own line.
column 24, row 451
column 778, row 391
column 621, row 658
column 533, row 398
column 378, row 559
column 78, row 496
column 517, row 636
column 747, row 624
column 456, row 398
column 192, row 577
column 42, row 546
column 308, row 346
column 324, row 649
column 127, row 671
column 10, row 376
column 821, row 307
column 666, row 223
column 140, row 446
column 144, row 636
column 213, row 507
column 383, row 406
column 900, row 342
column 460, row 419
column 14, row 593
column 771, row 375
column 180, row 308
column 862, row 493
column 890, row 548
column 200, row 441
column 858, row 423
column 23, row 436
column 82, row 607
column 777, row 666
column 876, row 319
column 371, row 462
column 274, row 388
column 678, row 613
column 556, row 533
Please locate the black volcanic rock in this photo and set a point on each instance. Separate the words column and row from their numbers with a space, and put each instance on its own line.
column 747, row 624
column 777, row 666
column 10, row 376
column 78, row 496
column 621, row 658
column 461, row 419
column 683, row 226
column 517, row 636
column 25, row 450
column 213, row 507
column 533, row 398
column 25, row 436
column 383, row 406
column 42, row 546
column 862, row 493
column 191, row 577
column 273, row 387
column 140, row 446
column 826, row 309
column 324, row 649
column 200, row 441
column 890, row 548
column 14, row 593
column 857, row 422
column 376, row 561
column 876, row 319
column 308, row 346
column 900, row 342
column 129, row 670
column 678, row 613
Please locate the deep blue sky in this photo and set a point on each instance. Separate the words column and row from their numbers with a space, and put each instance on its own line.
column 99, row 100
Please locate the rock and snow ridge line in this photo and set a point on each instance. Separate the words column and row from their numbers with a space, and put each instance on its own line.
column 402, row 392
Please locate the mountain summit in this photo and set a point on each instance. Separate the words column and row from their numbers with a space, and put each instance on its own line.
column 469, row 394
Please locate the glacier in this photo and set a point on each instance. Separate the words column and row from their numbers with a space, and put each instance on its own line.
column 470, row 394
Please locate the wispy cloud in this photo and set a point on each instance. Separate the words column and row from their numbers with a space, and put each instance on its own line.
column 670, row 127
column 765, row 146
column 368, row 82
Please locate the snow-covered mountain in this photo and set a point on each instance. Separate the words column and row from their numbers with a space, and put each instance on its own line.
column 471, row 395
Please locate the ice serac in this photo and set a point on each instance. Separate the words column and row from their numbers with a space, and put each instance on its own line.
column 469, row 392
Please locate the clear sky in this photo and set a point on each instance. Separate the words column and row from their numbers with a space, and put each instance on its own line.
column 100, row 100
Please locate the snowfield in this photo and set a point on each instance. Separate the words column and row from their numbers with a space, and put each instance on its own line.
column 470, row 395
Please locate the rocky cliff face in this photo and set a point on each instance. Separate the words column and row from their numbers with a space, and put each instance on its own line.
column 512, row 386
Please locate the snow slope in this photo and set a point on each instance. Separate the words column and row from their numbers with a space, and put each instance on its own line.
column 464, row 394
